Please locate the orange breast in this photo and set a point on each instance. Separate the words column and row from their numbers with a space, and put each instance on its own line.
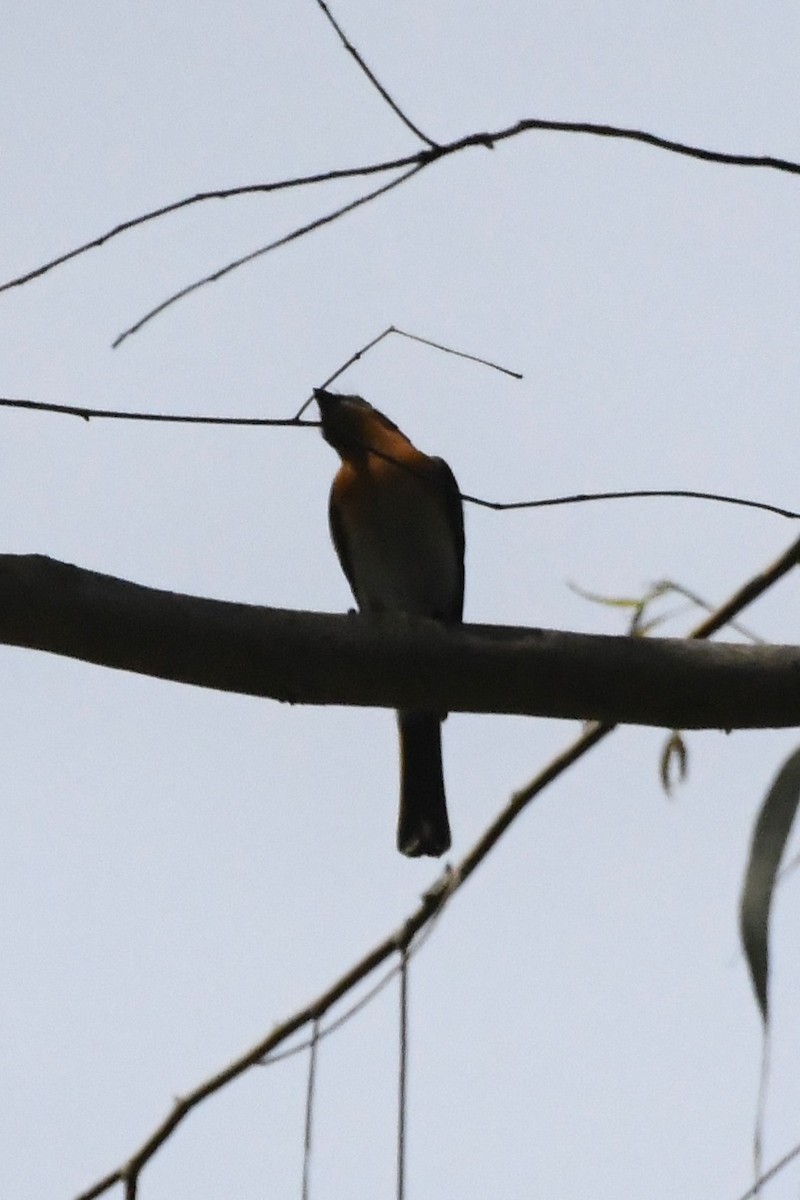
column 395, row 538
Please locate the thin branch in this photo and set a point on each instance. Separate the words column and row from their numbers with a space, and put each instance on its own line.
column 102, row 1186
column 341, row 370
column 761, row 161
column 414, row 337
column 584, row 497
column 748, row 592
column 402, row 1076
column 376, row 83
column 487, row 139
column 249, row 189
column 761, row 1105
column 221, row 272
column 412, row 948
column 310, row 1098
column 669, row 585
column 431, row 904
column 88, row 414
column 354, row 358
column 353, row 1011
column 770, row 1174
column 484, row 362
column 92, row 414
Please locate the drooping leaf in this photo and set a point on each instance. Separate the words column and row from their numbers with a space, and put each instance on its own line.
column 766, row 850
column 674, row 764
column 640, row 607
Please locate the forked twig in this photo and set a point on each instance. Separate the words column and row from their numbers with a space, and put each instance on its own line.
column 376, row 83
column 414, row 337
column 214, row 276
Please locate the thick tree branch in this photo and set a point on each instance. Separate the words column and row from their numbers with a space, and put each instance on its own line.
column 318, row 658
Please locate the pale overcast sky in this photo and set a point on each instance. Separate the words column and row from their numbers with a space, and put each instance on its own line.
column 181, row 869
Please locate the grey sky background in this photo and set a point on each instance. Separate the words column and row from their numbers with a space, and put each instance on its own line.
column 180, row 870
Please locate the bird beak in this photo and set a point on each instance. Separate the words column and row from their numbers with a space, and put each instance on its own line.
column 328, row 403
column 324, row 399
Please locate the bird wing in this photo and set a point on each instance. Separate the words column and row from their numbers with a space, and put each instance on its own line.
column 454, row 508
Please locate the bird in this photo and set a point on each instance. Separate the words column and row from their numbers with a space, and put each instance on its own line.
column 397, row 525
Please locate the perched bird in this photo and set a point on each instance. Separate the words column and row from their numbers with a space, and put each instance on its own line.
column 397, row 525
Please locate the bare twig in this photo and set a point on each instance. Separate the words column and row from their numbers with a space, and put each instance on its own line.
column 254, row 254
column 92, row 414
column 770, row 1174
column 249, row 189
column 669, row 585
column 422, row 158
column 354, row 358
column 402, row 1081
column 353, row 1011
column 376, row 83
column 430, row 905
column 310, row 1097
column 642, row 494
column 761, row 161
column 412, row 948
column 484, row 362
column 414, row 337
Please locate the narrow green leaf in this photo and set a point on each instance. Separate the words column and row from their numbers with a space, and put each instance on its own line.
column 609, row 601
column 766, row 850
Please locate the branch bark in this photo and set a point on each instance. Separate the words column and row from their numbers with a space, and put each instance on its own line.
column 390, row 662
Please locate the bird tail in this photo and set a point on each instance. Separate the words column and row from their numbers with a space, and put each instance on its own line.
column 422, row 826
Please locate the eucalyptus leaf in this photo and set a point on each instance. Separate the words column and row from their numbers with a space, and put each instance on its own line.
column 766, row 850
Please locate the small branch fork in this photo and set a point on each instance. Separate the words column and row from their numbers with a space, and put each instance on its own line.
column 376, row 83
column 408, row 166
column 431, row 905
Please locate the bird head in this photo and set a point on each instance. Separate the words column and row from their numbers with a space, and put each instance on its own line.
column 350, row 423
